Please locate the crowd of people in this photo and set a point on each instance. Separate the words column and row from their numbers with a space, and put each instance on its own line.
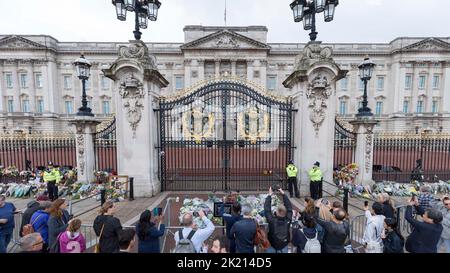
column 321, row 227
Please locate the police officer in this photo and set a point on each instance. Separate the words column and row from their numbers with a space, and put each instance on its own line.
column 316, row 178
column 292, row 171
column 52, row 176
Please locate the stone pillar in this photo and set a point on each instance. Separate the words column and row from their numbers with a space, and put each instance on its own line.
column 445, row 85
column 138, row 85
column 313, row 88
column 4, row 101
column 217, row 66
column 233, row 67
column 363, row 127
column 187, row 73
column 250, row 69
column 85, row 128
column 263, row 73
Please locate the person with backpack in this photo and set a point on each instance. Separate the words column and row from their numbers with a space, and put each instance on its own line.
column 38, row 223
column 72, row 240
column 107, row 228
column 306, row 239
column 32, row 207
column 279, row 223
column 229, row 220
column 57, row 223
column 149, row 233
column 244, row 231
column 393, row 241
column 337, row 230
column 374, row 228
column 189, row 239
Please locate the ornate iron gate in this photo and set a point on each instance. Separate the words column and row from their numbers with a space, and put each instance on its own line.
column 224, row 135
column 344, row 145
column 105, row 148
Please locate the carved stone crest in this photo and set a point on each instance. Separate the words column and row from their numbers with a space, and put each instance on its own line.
column 313, row 53
column 138, row 50
column 318, row 92
column 132, row 92
column 227, row 41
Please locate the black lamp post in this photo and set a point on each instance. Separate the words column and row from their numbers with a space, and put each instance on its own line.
column 144, row 10
column 365, row 73
column 84, row 71
column 305, row 10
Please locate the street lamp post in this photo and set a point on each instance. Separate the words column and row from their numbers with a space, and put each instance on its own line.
column 365, row 73
column 83, row 70
column 144, row 10
column 305, row 10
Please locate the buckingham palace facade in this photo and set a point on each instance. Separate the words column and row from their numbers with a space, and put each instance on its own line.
column 39, row 89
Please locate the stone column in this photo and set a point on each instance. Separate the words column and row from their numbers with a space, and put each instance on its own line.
column 313, row 88
column 85, row 128
column 445, row 84
column 363, row 127
column 217, row 66
column 16, row 88
column 3, row 92
column 138, row 85
column 233, row 67
column 201, row 69
column 263, row 73
column 250, row 69
column 32, row 87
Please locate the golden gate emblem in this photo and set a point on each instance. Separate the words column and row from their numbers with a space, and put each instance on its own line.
column 197, row 125
column 253, row 124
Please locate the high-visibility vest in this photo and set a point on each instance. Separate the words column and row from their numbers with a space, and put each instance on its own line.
column 53, row 175
column 291, row 170
column 315, row 175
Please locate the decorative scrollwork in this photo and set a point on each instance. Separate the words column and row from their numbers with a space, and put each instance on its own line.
column 255, row 130
column 318, row 92
column 132, row 91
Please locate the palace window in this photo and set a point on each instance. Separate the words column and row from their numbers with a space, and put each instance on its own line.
column 69, row 107
column 67, row 82
column 380, row 83
column 179, row 82
column 40, row 106
column 422, row 80
column 105, row 83
column 271, row 82
column 105, row 107
column 436, row 79
column 38, row 78
column 25, row 106
column 342, row 107
column 344, row 84
column 9, row 80
column 379, row 108
column 405, row 106
column 419, row 106
column 408, row 81
column 23, row 80
column 434, row 106
column 10, row 106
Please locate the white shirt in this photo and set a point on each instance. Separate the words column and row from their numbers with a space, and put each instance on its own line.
column 200, row 235
column 374, row 228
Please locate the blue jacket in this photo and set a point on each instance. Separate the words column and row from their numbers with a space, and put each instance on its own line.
column 39, row 222
column 244, row 232
column 151, row 242
column 229, row 222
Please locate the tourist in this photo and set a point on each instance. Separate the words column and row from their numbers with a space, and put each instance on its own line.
column 149, row 233
column 229, row 220
column 244, row 231
column 325, row 210
column 7, row 211
column 425, row 234
column 72, row 240
column 196, row 236
column 52, row 176
column 279, row 223
column 315, row 177
column 310, row 210
column 292, row 171
column 307, row 234
column 32, row 207
column 388, row 206
column 58, row 222
column 444, row 207
column 32, row 243
column 127, row 240
column 39, row 221
column 393, row 241
column 337, row 230
column 425, row 197
column 107, row 228
column 220, row 244
column 374, row 228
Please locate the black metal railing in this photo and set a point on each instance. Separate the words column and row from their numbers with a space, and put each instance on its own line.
column 344, row 145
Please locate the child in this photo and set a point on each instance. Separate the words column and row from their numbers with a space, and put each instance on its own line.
column 72, row 241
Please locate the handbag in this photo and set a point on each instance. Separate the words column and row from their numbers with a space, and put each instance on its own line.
column 260, row 238
column 28, row 228
column 97, row 246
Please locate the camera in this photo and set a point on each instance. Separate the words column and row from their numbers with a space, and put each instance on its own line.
column 276, row 187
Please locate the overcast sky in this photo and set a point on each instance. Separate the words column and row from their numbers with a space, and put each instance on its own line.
column 355, row 20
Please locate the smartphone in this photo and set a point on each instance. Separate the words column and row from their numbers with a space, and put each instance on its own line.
column 366, row 203
column 325, row 202
column 195, row 214
column 157, row 211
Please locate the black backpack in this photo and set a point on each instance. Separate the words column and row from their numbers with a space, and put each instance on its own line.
column 281, row 232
